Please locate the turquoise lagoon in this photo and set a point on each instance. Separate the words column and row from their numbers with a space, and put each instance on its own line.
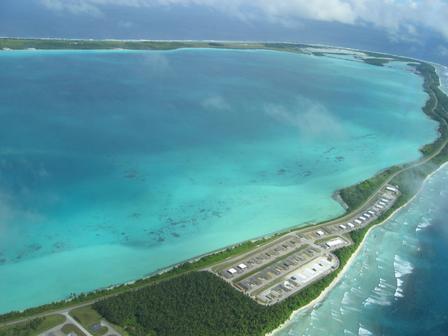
column 115, row 164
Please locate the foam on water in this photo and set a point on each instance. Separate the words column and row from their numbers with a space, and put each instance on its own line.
column 399, row 290
column 364, row 332
column 425, row 222
column 380, row 294
column 348, row 332
column 402, row 268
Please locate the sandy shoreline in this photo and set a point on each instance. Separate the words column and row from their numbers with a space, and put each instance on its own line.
column 350, row 261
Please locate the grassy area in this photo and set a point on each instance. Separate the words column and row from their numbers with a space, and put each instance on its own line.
column 68, row 328
column 88, row 317
column 33, row 327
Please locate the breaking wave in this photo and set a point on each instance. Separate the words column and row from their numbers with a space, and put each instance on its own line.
column 402, row 267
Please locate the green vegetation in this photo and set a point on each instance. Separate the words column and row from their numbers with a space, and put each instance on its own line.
column 33, row 327
column 200, row 303
column 376, row 61
column 88, row 317
column 356, row 195
column 68, row 328
column 195, row 304
column 55, row 44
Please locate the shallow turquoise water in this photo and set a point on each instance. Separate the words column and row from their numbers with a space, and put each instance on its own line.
column 397, row 284
column 116, row 164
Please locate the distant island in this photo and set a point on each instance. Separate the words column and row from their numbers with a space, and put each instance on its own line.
column 69, row 44
column 253, row 287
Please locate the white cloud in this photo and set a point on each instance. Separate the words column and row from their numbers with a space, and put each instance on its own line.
column 396, row 16
column 155, row 64
column 215, row 102
column 312, row 119
column 442, row 50
column 126, row 24
column 323, row 10
column 10, row 213
column 75, row 7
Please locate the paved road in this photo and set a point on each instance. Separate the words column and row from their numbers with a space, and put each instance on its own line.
column 68, row 320
column 110, row 329
column 76, row 323
column 56, row 331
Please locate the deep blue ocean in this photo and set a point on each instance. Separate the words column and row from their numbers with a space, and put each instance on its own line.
column 115, row 164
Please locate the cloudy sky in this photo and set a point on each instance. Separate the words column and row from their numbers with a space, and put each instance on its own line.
column 414, row 27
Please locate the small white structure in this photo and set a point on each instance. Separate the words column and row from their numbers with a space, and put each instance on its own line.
column 232, row 271
column 393, row 189
column 335, row 242
column 320, row 232
column 288, row 285
column 357, row 221
column 371, row 212
column 351, row 225
column 306, row 274
column 242, row 266
column 362, row 218
column 367, row 215
column 342, row 226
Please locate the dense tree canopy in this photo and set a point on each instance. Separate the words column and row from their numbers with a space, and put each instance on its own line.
column 200, row 303
column 196, row 304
